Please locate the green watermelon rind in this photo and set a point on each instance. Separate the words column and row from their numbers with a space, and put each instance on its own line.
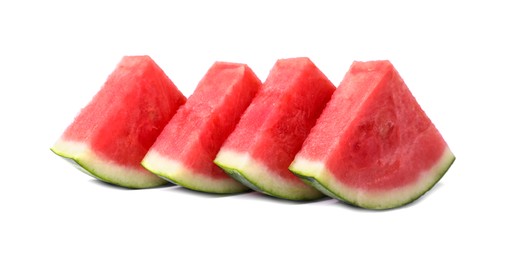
column 241, row 176
column 438, row 170
column 237, row 175
column 176, row 173
column 87, row 162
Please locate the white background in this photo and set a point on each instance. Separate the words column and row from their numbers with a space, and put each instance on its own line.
column 54, row 56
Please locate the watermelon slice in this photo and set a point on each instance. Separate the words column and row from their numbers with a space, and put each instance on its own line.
column 184, row 152
column 111, row 135
column 373, row 146
column 273, row 129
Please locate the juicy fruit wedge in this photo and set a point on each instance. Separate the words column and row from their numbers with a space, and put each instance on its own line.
column 273, row 128
column 111, row 135
column 184, row 152
column 373, row 146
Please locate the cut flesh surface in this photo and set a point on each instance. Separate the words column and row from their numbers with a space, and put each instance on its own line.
column 273, row 129
column 111, row 135
column 185, row 150
column 373, row 146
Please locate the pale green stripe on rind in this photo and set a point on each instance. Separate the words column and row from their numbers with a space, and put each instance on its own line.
column 81, row 156
column 255, row 175
column 177, row 173
column 316, row 174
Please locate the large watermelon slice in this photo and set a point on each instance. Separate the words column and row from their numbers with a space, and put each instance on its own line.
column 185, row 150
column 111, row 135
column 274, row 127
column 373, row 146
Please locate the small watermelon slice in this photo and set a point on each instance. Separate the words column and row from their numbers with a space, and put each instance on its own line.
column 274, row 127
column 184, row 152
column 373, row 146
column 111, row 135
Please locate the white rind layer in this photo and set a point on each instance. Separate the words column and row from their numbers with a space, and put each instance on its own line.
column 177, row 173
column 254, row 174
column 108, row 171
column 316, row 173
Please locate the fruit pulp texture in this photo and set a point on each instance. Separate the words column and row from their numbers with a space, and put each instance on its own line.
column 196, row 133
column 276, row 124
column 373, row 132
column 125, row 117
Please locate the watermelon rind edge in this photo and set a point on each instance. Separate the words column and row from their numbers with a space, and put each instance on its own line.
column 239, row 176
column 176, row 173
column 84, row 159
column 318, row 181
column 223, row 160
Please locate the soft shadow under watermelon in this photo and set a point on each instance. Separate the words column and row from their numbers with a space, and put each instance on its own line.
column 181, row 189
column 255, row 195
column 109, row 185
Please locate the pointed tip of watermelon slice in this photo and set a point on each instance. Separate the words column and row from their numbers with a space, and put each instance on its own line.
column 245, row 169
column 83, row 158
column 316, row 174
column 175, row 172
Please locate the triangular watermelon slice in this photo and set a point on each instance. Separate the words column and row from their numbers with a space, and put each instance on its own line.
column 373, row 146
column 111, row 135
column 274, row 127
column 184, row 151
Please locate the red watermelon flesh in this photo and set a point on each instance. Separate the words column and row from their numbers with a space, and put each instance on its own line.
column 185, row 150
column 111, row 135
column 274, row 127
column 373, row 146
